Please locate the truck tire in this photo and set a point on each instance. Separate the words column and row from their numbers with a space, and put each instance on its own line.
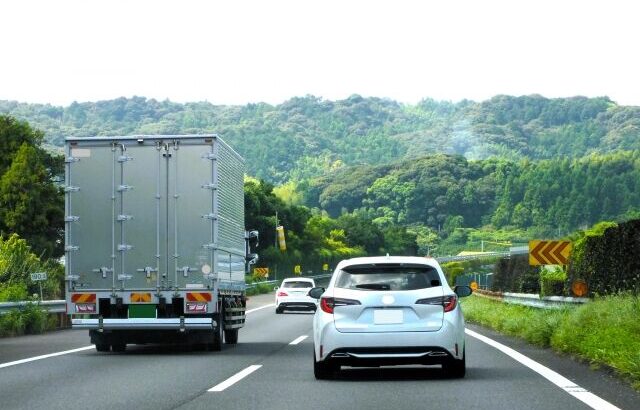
column 218, row 333
column 119, row 347
column 231, row 336
column 102, row 347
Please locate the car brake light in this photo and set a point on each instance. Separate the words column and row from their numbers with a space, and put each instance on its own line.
column 281, row 293
column 328, row 304
column 447, row 302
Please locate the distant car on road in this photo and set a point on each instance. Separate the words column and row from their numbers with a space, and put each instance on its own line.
column 293, row 294
column 389, row 310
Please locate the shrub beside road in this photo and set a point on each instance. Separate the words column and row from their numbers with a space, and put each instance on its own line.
column 605, row 332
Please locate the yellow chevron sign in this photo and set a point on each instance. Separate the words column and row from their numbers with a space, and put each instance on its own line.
column 261, row 271
column 549, row 252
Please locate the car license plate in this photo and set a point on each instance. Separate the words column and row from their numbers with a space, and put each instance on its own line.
column 388, row 317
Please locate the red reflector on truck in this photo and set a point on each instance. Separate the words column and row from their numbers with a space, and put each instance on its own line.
column 198, row 297
column 83, row 298
column 196, row 307
column 85, row 308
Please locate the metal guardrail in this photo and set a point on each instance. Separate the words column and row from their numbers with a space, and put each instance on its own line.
column 52, row 306
column 270, row 282
column 532, row 299
column 485, row 255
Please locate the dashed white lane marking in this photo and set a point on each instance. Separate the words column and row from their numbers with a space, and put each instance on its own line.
column 258, row 308
column 298, row 340
column 44, row 356
column 235, row 378
column 559, row 380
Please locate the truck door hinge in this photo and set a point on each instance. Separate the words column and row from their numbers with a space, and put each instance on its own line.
column 103, row 270
column 124, row 247
column 147, row 270
column 71, row 248
column 124, row 276
column 122, row 218
column 185, row 270
column 210, row 186
column 71, row 218
column 71, row 188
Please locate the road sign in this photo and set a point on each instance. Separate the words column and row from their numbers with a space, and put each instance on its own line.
column 282, row 244
column 297, row 269
column 36, row 276
column 473, row 285
column 549, row 252
column 261, row 272
column 325, row 267
column 579, row 288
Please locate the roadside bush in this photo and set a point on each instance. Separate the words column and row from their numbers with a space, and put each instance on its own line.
column 606, row 258
column 13, row 292
column 515, row 275
column 552, row 281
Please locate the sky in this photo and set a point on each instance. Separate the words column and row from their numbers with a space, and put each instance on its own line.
column 241, row 51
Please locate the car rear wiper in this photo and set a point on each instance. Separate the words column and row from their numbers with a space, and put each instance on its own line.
column 374, row 286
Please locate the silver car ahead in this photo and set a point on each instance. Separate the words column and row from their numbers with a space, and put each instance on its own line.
column 388, row 311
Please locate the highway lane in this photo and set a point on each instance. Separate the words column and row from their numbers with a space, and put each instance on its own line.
column 282, row 376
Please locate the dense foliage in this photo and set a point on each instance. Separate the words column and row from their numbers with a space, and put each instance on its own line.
column 313, row 238
column 606, row 258
column 31, row 204
column 449, row 192
column 307, row 137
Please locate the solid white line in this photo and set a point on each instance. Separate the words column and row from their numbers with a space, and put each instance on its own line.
column 45, row 356
column 258, row 308
column 565, row 384
column 298, row 340
column 236, row 378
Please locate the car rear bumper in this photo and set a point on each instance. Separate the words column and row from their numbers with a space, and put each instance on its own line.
column 387, row 348
column 297, row 305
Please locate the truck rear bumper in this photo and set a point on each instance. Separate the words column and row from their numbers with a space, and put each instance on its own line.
column 164, row 324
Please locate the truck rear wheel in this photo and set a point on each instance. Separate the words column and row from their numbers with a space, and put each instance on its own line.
column 119, row 347
column 218, row 334
column 231, row 336
column 102, row 347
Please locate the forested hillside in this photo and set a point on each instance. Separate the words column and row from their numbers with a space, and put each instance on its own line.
column 307, row 137
column 442, row 191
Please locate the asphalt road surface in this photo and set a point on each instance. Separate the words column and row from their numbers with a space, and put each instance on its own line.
column 271, row 368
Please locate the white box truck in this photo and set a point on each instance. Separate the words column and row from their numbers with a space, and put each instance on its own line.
column 155, row 244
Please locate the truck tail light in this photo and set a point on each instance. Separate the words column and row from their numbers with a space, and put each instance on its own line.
column 196, row 307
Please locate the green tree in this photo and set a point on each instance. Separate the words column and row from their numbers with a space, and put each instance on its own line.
column 30, row 204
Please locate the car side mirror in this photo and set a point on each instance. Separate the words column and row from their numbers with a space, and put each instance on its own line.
column 316, row 292
column 462, row 291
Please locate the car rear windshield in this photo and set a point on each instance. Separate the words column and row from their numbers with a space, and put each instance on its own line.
column 388, row 277
column 297, row 284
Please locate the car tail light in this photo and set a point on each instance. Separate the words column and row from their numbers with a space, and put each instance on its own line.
column 281, row 293
column 447, row 302
column 328, row 304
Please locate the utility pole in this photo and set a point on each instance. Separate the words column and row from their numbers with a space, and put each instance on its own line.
column 275, row 244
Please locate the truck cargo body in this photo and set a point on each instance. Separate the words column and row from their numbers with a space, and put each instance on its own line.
column 155, row 239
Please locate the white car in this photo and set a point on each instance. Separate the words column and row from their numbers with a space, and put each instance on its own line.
column 388, row 311
column 293, row 294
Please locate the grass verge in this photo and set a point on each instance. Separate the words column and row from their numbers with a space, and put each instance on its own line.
column 603, row 332
column 260, row 288
column 30, row 320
